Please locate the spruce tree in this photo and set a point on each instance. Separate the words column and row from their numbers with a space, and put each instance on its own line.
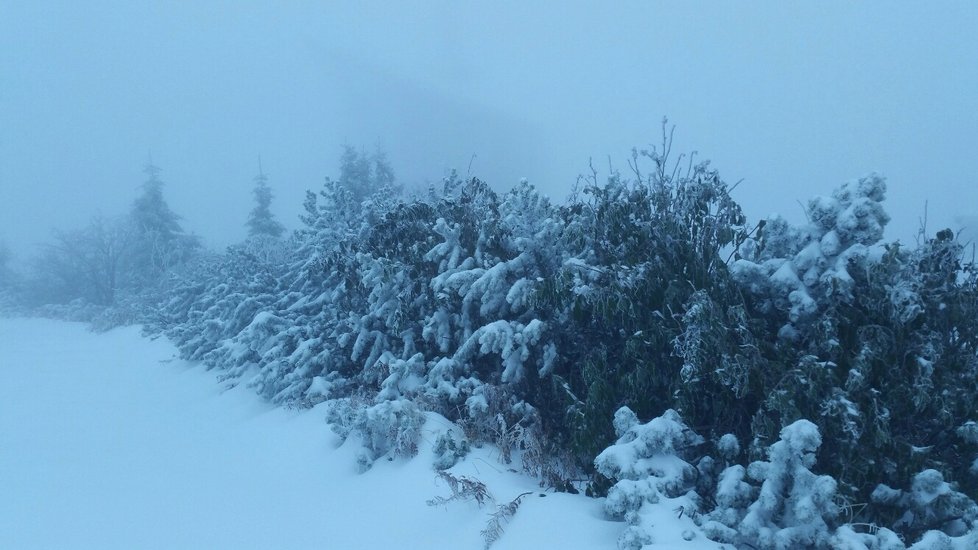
column 261, row 222
column 160, row 240
column 150, row 210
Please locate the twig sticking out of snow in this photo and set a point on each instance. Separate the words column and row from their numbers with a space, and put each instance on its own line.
column 463, row 488
column 502, row 516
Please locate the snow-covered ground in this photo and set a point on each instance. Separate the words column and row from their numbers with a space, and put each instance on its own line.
column 108, row 441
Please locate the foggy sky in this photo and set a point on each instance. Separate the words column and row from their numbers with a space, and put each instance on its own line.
column 792, row 98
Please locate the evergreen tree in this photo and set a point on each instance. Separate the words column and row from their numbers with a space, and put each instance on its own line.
column 794, row 507
column 383, row 173
column 362, row 174
column 150, row 211
column 261, row 222
column 160, row 240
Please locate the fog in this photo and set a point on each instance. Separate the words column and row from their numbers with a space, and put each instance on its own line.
column 791, row 98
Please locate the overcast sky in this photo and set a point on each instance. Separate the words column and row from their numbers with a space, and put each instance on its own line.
column 793, row 98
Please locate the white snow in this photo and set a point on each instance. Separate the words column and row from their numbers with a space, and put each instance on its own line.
column 106, row 442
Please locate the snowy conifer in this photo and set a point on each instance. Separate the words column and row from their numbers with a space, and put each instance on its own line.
column 261, row 221
column 160, row 241
column 647, row 467
column 795, row 507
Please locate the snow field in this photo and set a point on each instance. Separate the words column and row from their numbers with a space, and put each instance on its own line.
column 108, row 441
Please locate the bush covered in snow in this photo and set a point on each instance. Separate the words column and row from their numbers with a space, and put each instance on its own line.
column 529, row 324
column 930, row 504
column 872, row 341
column 794, row 507
column 389, row 427
column 647, row 467
column 449, row 449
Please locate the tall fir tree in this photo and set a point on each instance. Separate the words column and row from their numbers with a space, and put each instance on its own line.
column 161, row 241
column 150, row 210
column 261, row 221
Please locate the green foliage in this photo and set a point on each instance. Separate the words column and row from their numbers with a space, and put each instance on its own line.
column 637, row 293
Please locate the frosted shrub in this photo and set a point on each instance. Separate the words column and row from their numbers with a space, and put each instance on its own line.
column 934, row 502
column 392, row 426
column 649, row 450
column 449, row 449
column 389, row 427
column 804, row 265
column 729, row 447
column 645, row 463
column 794, row 506
column 733, row 495
column 77, row 310
column 495, row 415
column 931, row 504
column 511, row 340
column 846, row 538
column 250, row 347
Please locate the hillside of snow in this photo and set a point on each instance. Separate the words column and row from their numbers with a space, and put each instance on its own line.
column 108, row 441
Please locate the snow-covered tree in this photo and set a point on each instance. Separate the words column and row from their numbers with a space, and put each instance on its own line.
column 867, row 340
column 261, row 221
column 648, row 467
column 931, row 504
column 293, row 317
column 362, row 174
column 160, row 243
column 795, row 507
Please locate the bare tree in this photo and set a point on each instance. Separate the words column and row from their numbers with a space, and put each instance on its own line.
column 85, row 263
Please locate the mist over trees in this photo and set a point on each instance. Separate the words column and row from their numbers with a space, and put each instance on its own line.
column 808, row 386
column 111, row 260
